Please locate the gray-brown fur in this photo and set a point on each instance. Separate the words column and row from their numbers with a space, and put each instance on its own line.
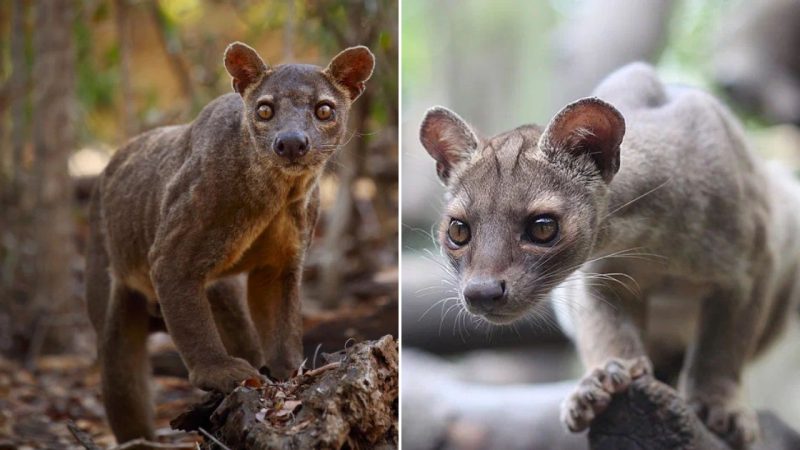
column 206, row 225
column 701, row 236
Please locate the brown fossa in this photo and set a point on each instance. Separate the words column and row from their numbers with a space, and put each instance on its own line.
column 210, row 221
column 616, row 214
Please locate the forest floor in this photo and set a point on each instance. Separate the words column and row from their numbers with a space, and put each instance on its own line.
column 36, row 405
column 40, row 399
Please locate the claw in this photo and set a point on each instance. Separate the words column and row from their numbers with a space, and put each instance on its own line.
column 594, row 391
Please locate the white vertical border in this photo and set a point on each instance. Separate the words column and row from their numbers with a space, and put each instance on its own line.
column 400, row 224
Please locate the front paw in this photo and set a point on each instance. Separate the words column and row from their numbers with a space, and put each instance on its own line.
column 594, row 391
column 222, row 375
column 728, row 418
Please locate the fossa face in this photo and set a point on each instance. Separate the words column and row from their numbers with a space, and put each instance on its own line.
column 296, row 114
column 522, row 208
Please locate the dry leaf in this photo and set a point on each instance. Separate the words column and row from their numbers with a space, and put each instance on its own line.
column 253, row 383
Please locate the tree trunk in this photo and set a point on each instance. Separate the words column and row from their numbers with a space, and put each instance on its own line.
column 339, row 236
column 172, row 50
column 5, row 156
column 352, row 228
column 18, row 82
column 14, row 225
column 123, row 23
column 54, row 105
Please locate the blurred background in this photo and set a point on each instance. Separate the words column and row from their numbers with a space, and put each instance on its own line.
column 503, row 63
column 78, row 78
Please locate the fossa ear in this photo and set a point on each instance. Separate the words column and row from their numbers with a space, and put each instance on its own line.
column 590, row 127
column 351, row 68
column 448, row 139
column 244, row 65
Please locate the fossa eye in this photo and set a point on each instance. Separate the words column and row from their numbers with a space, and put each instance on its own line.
column 542, row 230
column 458, row 232
column 324, row 111
column 264, row 111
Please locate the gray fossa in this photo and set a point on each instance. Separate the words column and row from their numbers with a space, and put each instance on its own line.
column 182, row 213
column 674, row 243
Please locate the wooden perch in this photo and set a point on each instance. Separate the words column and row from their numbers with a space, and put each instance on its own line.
column 442, row 411
column 652, row 416
column 350, row 402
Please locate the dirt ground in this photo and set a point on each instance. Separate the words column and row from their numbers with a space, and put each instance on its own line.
column 37, row 404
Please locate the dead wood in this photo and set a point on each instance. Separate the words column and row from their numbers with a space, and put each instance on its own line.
column 443, row 411
column 350, row 402
column 652, row 416
column 82, row 437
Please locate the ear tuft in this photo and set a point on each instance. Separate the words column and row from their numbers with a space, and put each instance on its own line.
column 244, row 65
column 590, row 127
column 448, row 139
column 351, row 68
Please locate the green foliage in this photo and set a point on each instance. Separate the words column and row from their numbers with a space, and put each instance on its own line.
column 97, row 79
column 194, row 34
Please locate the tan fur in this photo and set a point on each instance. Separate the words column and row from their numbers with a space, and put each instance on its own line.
column 183, row 214
column 676, row 243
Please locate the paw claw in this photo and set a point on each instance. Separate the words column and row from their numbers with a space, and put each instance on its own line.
column 594, row 391
column 641, row 366
column 224, row 375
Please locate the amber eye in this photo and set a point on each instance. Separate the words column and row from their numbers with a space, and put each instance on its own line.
column 264, row 111
column 542, row 230
column 458, row 232
column 324, row 111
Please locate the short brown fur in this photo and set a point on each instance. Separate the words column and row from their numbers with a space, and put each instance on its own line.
column 207, row 224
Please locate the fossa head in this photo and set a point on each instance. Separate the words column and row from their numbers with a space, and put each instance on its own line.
column 297, row 113
column 522, row 208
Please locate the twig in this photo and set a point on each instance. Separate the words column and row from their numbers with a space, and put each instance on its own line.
column 151, row 444
column 216, row 441
column 81, row 436
column 318, row 370
column 173, row 434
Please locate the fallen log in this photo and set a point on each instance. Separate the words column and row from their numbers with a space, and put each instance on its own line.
column 442, row 411
column 350, row 402
column 652, row 416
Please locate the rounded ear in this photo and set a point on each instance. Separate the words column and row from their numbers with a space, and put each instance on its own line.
column 589, row 127
column 448, row 139
column 351, row 68
column 244, row 65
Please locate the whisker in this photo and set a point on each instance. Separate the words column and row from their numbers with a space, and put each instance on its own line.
column 624, row 205
column 442, row 302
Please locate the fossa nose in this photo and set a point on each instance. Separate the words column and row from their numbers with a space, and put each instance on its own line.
column 291, row 145
column 485, row 294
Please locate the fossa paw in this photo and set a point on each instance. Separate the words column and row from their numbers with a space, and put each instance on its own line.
column 595, row 390
column 728, row 419
column 223, row 375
